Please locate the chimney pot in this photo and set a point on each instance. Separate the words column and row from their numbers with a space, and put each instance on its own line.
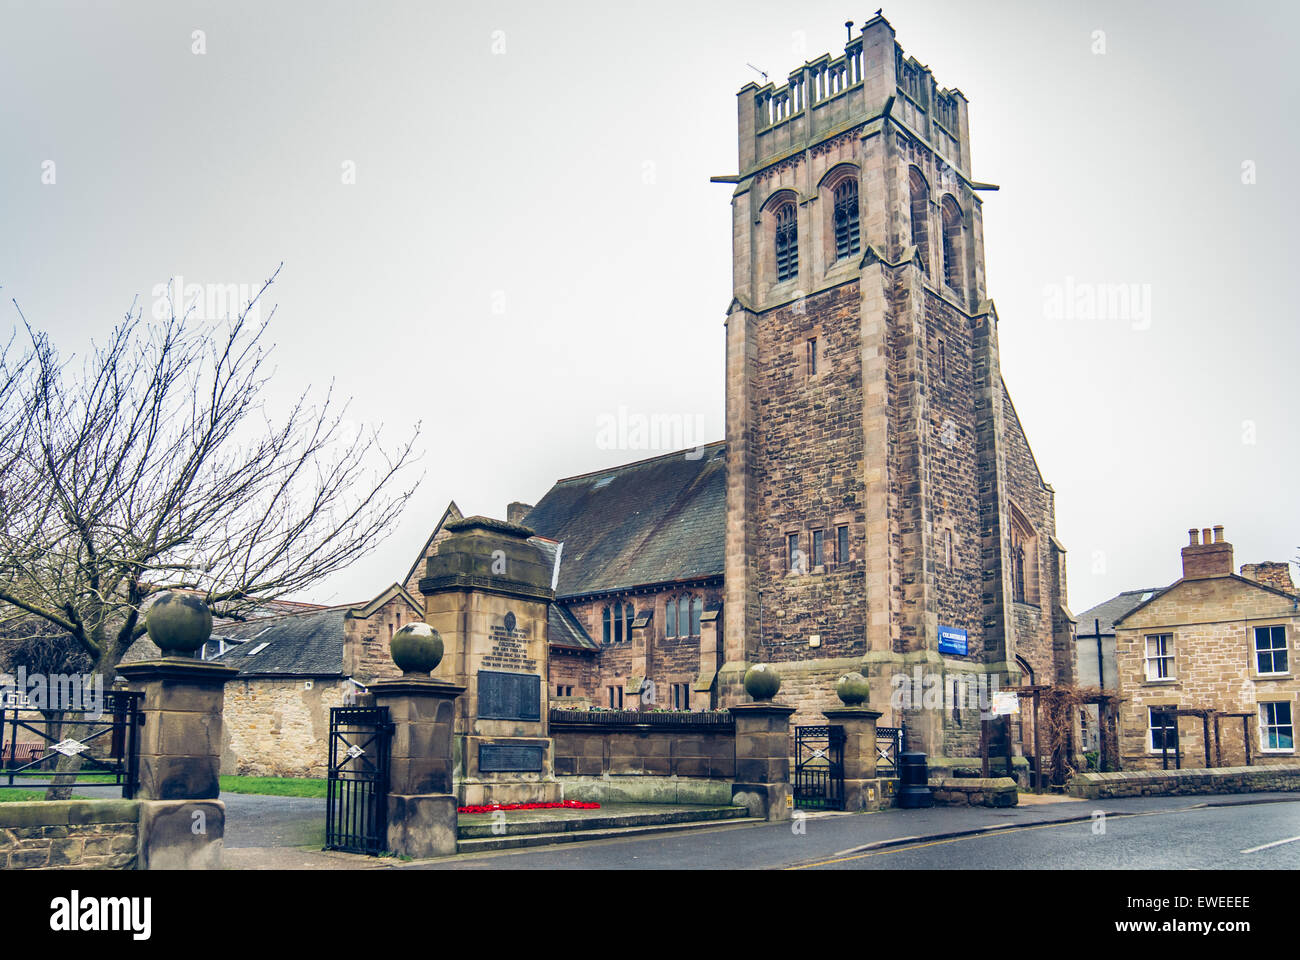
column 1218, row 533
column 1191, row 537
column 1205, row 536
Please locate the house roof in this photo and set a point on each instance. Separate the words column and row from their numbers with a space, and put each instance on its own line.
column 563, row 630
column 1113, row 609
column 297, row 645
column 1178, row 583
column 661, row 520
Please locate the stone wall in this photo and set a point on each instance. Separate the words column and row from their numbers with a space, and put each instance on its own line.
column 278, row 728
column 94, row 834
column 974, row 792
column 595, row 749
column 1156, row 783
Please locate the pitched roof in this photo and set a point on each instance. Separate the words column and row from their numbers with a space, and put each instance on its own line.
column 1113, row 609
column 1184, row 580
column 654, row 521
column 297, row 645
column 563, row 630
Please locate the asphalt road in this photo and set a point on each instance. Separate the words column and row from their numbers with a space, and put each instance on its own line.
column 1152, row 833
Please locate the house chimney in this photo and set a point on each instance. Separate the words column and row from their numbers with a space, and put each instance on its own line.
column 516, row 511
column 1209, row 558
column 1271, row 574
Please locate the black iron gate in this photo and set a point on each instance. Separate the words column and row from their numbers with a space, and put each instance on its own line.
column 819, row 767
column 356, row 818
column 889, row 744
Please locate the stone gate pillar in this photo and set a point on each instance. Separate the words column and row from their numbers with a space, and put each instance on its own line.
column 421, row 789
column 182, row 823
column 861, row 789
column 763, row 758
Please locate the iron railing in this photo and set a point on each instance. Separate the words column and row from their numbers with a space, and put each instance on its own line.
column 105, row 739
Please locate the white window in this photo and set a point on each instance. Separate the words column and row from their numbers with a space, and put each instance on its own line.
column 1162, row 729
column 1160, row 656
column 1276, row 732
column 1270, row 650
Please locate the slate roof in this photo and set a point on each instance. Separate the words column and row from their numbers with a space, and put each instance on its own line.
column 1113, row 609
column 654, row 521
column 563, row 630
column 298, row 645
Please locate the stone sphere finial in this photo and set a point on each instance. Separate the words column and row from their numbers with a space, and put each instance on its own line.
column 417, row 649
column 853, row 689
column 762, row 682
column 178, row 623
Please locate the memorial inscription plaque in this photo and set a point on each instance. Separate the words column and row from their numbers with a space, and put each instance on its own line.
column 509, row 696
column 510, row 758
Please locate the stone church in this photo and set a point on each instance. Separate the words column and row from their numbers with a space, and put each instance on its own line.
column 875, row 505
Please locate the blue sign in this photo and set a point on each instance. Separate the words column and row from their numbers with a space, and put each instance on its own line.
column 953, row 640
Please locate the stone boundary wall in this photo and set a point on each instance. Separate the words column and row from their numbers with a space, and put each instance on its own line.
column 974, row 792
column 93, row 834
column 595, row 749
column 112, row 834
column 1154, row 783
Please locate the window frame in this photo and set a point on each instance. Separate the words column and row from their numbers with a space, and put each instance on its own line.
column 842, row 548
column 1151, row 729
column 1167, row 653
column 846, row 230
column 785, row 241
column 818, row 544
column 1271, row 652
column 1260, row 715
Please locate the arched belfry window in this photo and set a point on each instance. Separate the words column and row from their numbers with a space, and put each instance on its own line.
column 952, row 259
column 1024, row 558
column 682, row 616
column 920, row 215
column 846, row 218
column 617, row 622
column 787, row 242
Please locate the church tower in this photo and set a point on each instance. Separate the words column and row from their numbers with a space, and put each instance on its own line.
column 880, row 491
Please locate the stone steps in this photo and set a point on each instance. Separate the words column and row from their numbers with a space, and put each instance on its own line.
column 534, row 833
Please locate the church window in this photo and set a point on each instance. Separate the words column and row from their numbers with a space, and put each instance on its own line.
column 842, row 544
column 943, row 362
column 615, row 697
column 947, row 548
column 818, row 547
column 846, row 218
column 683, row 616
column 681, row 696
column 1024, row 558
column 794, row 557
column 787, row 242
column 617, row 622
column 920, row 212
column 952, row 262
column 812, row 356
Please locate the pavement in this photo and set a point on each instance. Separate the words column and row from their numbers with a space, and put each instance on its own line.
column 1257, row 830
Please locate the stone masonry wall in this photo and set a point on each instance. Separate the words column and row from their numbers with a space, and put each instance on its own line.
column 95, row 834
column 808, row 474
column 277, row 728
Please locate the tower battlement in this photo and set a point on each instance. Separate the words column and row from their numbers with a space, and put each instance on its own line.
column 829, row 95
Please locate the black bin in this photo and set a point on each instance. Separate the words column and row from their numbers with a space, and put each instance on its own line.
column 914, row 782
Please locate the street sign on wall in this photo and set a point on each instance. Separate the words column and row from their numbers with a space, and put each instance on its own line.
column 953, row 640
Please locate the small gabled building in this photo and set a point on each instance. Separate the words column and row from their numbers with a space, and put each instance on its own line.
column 1211, row 641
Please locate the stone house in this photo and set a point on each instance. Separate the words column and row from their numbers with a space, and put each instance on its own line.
column 1212, row 640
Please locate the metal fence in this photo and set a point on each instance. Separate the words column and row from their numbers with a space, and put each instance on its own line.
column 106, row 741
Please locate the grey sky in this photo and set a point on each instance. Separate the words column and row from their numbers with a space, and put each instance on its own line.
column 532, row 241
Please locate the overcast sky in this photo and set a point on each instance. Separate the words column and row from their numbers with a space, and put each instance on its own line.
column 532, row 242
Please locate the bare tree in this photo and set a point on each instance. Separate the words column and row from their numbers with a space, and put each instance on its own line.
column 154, row 465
